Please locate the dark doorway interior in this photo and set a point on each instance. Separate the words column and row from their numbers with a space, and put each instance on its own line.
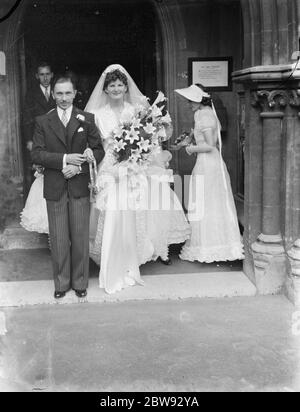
column 86, row 36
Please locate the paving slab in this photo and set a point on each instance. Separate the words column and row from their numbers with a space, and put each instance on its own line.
column 203, row 345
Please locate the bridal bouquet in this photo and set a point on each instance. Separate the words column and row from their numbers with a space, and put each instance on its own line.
column 137, row 140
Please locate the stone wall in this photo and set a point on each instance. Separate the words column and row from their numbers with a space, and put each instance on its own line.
column 270, row 31
column 272, row 83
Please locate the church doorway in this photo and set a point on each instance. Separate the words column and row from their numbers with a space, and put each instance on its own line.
column 85, row 37
column 150, row 38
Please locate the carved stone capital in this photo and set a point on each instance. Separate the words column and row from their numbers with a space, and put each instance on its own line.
column 275, row 101
column 294, row 98
column 294, row 257
column 270, row 100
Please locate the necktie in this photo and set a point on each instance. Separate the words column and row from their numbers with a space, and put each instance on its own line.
column 64, row 118
column 47, row 95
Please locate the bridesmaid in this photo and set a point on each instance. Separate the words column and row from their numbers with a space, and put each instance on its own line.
column 211, row 210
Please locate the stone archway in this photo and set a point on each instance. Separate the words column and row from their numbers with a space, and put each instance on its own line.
column 171, row 28
column 13, row 86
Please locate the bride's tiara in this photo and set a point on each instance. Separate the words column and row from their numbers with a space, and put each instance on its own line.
column 114, row 67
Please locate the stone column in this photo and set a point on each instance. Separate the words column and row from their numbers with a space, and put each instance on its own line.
column 293, row 281
column 270, row 263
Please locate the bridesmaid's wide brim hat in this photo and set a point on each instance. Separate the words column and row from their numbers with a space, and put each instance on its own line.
column 192, row 93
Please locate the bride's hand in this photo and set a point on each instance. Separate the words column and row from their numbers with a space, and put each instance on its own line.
column 89, row 155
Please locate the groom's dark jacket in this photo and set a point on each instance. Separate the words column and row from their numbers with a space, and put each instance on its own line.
column 51, row 140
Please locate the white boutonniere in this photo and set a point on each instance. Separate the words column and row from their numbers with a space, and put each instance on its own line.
column 80, row 118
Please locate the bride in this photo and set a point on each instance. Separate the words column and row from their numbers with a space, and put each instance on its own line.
column 123, row 238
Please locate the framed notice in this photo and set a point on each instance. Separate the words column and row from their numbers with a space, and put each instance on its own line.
column 214, row 73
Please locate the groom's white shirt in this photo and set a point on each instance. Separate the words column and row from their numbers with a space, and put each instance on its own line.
column 68, row 114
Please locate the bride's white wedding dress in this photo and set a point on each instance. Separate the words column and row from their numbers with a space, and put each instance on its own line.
column 125, row 239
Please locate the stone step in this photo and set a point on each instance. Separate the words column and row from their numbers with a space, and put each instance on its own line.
column 157, row 287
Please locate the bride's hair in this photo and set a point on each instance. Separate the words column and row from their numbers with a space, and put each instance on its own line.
column 114, row 76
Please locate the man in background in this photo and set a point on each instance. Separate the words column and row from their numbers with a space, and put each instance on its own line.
column 38, row 101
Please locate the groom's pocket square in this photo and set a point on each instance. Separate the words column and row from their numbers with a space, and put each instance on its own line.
column 80, row 130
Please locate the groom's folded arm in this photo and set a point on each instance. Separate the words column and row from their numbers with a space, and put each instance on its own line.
column 39, row 154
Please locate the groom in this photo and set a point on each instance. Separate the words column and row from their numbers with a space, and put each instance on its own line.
column 60, row 144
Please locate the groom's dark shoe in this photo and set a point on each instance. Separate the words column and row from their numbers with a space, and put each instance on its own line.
column 59, row 295
column 166, row 262
column 80, row 293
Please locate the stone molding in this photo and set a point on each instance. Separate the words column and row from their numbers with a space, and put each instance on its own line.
column 267, row 99
column 275, row 101
column 269, row 264
column 292, row 287
column 294, row 98
column 268, row 74
column 294, row 257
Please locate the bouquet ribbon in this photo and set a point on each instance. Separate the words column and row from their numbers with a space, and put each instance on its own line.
column 93, row 180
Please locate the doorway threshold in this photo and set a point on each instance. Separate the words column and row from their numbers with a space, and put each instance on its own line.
column 26, row 279
column 156, row 287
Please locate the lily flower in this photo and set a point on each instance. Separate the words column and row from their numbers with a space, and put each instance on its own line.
column 144, row 144
column 120, row 145
column 132, row 135
column 156, row 112
column 118, row 131
column 150, row 129
column 160, row 98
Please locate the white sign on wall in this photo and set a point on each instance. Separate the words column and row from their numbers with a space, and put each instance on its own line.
column 213, row 73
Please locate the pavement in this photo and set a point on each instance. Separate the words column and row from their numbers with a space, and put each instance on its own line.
column 192, row 327
column 242, row 344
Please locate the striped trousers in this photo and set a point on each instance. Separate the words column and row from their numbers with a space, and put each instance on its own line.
column 69, row 237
